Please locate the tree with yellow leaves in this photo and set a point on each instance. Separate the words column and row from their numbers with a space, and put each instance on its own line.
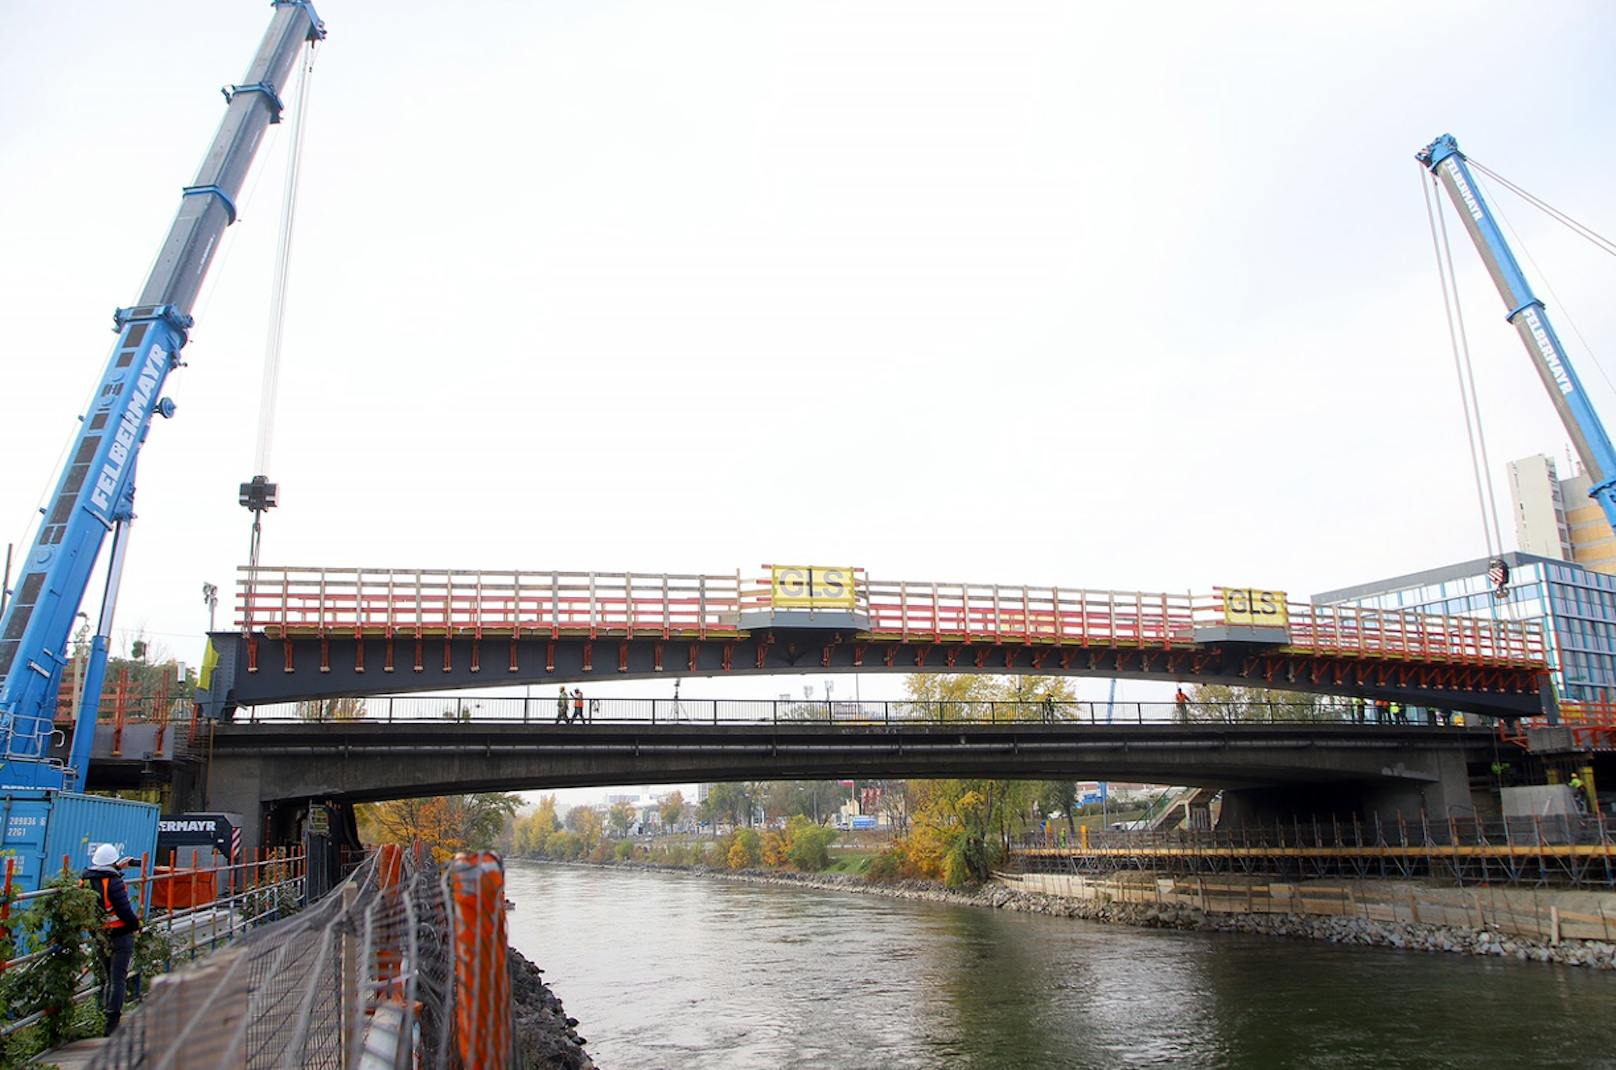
column 447, row 824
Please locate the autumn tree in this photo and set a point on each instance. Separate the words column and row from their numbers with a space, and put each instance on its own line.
column 585, row 823
column 960, row 829
column 448, row 824
column 346, row 708
column 672, row 808
column 535, row 830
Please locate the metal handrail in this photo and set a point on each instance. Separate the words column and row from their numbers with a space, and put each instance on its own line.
column 547, row 709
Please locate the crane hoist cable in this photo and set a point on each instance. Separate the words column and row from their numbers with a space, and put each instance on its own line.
column 283, row 256
column 1459, row 343
column 259, row 494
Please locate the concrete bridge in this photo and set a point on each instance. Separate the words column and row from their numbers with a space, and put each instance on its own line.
column 1272, row 767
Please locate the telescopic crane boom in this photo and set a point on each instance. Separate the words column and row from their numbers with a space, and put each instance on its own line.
column 1526, row 312
column 94, row 494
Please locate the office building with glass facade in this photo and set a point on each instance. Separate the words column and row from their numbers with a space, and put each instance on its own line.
column 1575, row 605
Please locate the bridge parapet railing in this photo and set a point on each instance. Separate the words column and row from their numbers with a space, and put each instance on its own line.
column 281, row 601
column 414, row 602
column 1399, row 634
column 553, row 708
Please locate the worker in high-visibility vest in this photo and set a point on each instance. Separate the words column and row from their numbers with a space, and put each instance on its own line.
column 120, row 922
column 1577, row 795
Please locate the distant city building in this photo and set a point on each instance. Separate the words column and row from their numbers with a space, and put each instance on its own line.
column 1555, row 518
column 1575, row 605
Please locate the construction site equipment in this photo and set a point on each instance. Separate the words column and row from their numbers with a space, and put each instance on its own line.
column 94, row 494
column 1526, row 312
column 403, row 964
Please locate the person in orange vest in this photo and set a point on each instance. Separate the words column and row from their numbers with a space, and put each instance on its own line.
column 577, row 705
column 1181, row 705
column 119, row 920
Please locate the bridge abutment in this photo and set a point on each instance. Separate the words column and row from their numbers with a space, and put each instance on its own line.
column 1433, row 783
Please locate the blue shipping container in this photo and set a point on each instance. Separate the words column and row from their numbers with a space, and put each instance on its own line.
column 41, row 832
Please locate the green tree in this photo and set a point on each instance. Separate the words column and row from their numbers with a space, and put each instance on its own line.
column 808, row 844
column 815, row 799
column 621, row 818
column 732, row 802
column 1221, row 702
column 1059, row 797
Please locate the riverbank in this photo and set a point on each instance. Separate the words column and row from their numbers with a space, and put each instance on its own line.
column 545, row 1037
column 1138, row 900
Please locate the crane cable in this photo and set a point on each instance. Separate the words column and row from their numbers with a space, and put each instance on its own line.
column 1582, row 230
column 1564, row 310
column 1458, row 341
column 283, row 254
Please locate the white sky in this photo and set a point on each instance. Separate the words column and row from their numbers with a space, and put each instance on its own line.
column 1132, row 297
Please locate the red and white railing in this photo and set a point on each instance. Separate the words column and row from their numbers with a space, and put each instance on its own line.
column 284, row 602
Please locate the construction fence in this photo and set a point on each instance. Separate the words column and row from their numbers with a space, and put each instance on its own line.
column 403, row 965
column 189, row 910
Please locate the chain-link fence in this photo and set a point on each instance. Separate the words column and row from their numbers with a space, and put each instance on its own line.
column 402, row 965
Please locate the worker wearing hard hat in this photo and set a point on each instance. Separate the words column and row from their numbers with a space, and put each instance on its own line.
column 105, row 878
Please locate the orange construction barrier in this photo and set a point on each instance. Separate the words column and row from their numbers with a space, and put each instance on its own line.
column 175, row 889
column 482, row 982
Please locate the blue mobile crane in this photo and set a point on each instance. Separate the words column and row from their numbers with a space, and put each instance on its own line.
column 1526, row 312
column 94, row 496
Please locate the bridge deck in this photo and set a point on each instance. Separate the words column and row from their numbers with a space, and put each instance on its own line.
column 358, row 603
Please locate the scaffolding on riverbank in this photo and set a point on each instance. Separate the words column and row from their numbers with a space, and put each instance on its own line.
column 1574, row 851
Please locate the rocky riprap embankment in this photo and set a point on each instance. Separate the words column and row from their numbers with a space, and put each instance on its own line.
column 546, row 1039
column 1410, row 936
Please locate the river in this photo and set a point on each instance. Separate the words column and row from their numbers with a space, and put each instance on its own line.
column 684, row 972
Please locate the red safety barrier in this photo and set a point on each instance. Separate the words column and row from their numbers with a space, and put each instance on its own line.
column 283, row 603
column 482, row 1006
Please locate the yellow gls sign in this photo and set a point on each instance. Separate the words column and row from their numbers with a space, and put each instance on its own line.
column 812, row 587
column 1262, row 609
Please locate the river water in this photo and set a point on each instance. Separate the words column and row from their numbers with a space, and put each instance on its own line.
column 679, row 971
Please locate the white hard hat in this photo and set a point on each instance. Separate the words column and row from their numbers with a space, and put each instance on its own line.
column 105, row 855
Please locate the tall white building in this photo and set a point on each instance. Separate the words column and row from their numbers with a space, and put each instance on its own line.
column 1555, row 518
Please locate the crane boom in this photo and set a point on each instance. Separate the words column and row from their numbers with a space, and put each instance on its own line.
column 95, row 492
column 1526, row 312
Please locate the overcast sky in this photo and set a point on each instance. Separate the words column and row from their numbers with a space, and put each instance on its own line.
column 1137, row 297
